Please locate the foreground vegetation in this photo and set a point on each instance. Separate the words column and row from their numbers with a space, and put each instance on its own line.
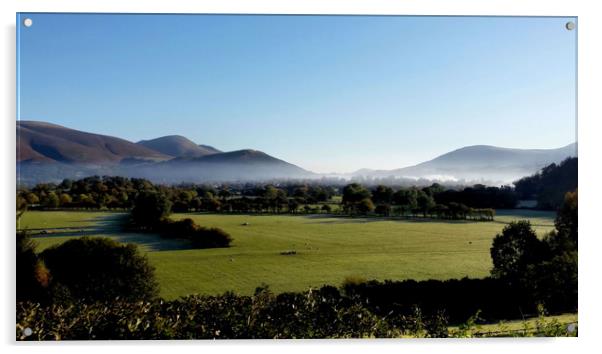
column 320, row 313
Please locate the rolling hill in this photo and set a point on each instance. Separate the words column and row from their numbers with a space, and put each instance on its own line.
column 49, row 152
column 46, row 143
column 178, row 146
column 480, row 163
column 240, row 165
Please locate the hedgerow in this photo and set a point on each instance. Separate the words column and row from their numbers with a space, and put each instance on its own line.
column 321, row 313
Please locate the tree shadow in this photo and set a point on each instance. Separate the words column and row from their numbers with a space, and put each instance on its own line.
column 153, row 242
column 344, row 219
column 504, row 222
column 111, row 226
column 100, row 225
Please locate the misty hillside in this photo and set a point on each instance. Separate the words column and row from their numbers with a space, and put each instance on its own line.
column 481, row 163
column 250, row 165
column 248, row 156
column 47, row 143
column 178, row 146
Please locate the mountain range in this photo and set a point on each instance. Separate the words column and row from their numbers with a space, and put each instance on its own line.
column 46, row 142
column 50, row 152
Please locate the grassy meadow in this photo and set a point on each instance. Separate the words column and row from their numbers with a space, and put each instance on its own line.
column 519, row 327
column 328, row 248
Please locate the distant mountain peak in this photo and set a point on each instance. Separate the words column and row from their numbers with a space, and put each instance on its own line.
column 168, row 137
column 248, row 152
column 241, row 156
column 239, row 165
column 38, row 123
column 178, row 146
column 46, row 142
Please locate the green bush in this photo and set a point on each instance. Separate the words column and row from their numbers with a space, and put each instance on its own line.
column 514, row 250
column 150, row 208
column 199, row 236
column 210, row 238
column 176, row 229
column 351, row 282
column 32, row 276
column 99, row 269
column 547, row 269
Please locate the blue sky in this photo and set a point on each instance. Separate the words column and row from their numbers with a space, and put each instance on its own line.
column 329, row 93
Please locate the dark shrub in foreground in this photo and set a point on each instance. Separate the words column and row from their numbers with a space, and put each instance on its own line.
column 459, row 298
column 32, row 276
column 514, row 250
column 567, row 218
column 322, row 313
column 99, row 269
column 554, row 281
column 545, row 269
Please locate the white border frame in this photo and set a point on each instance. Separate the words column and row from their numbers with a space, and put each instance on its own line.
column 589, row 133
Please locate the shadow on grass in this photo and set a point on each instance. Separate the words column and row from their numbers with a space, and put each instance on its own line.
column 111, row 226
column 100, row 224
column 343, row 219
column 502, row 222
column 153, row 242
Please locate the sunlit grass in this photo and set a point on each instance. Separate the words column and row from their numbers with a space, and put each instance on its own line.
column 328, row 249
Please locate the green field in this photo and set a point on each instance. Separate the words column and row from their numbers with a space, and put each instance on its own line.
column 328, row 249
column 517, row 327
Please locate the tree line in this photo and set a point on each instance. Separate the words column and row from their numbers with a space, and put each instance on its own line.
column 476, row 202
column 548, row 186
column 427, row 202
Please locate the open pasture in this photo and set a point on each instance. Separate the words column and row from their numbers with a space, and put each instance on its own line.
column 327, row 249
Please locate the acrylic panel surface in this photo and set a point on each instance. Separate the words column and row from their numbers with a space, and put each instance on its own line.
column 273, row 154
